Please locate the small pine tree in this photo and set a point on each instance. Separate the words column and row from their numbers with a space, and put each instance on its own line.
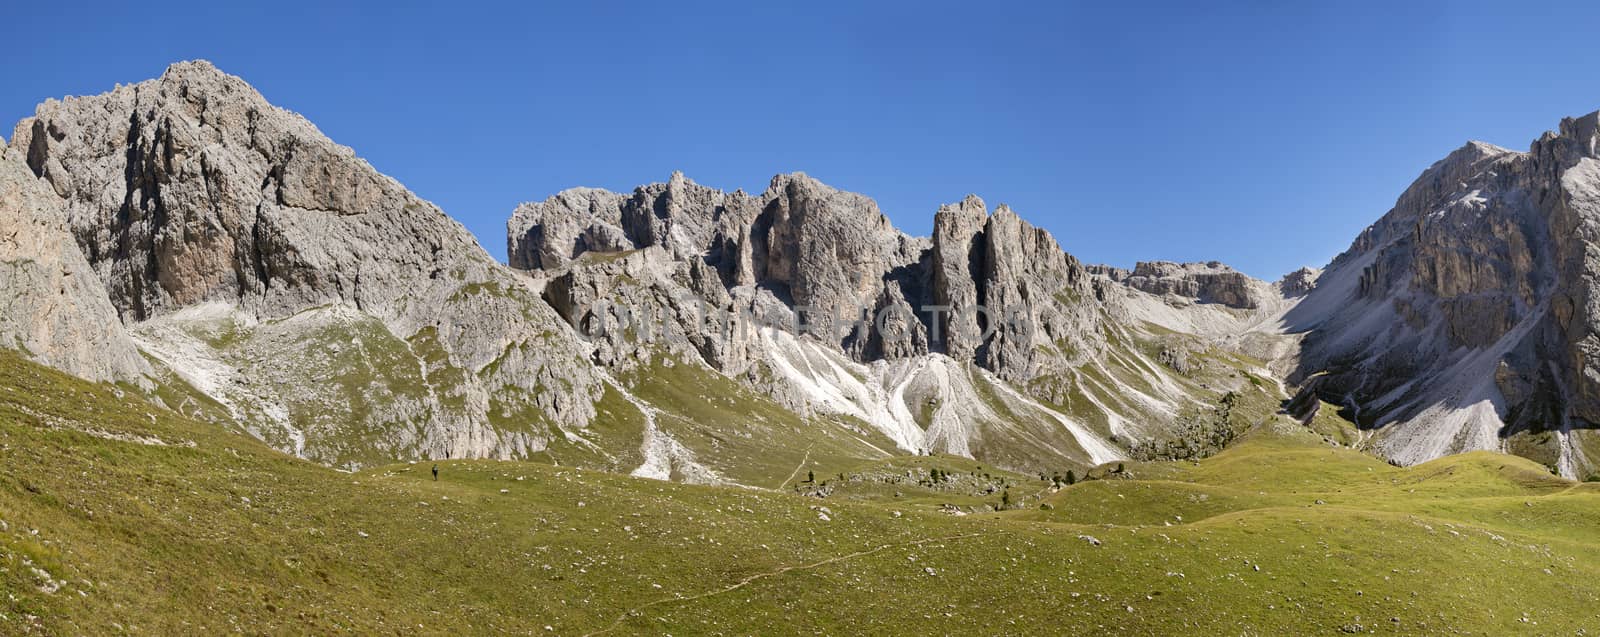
column 1121, row 468
column 1005, row 499
column 1072, row 478
column 811, row 476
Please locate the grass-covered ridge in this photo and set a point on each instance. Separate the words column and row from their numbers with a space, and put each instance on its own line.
column 121, row 518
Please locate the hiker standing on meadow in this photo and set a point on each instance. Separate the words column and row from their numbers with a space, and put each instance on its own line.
column 435, row 472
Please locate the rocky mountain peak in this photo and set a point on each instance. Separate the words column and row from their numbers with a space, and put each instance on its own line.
column 199, row 207
column 192, row 188
column 1458, row 317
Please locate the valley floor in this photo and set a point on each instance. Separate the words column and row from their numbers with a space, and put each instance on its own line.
column 117, row 517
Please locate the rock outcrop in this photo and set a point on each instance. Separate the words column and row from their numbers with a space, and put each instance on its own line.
column 1210, row 282
column 829, row 255
column 55, row 309
column 1296, row 284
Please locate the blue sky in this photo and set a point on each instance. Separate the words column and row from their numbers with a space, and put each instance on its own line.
column 1262, row 134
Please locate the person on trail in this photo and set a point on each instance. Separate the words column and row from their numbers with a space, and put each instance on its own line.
column 435, row 473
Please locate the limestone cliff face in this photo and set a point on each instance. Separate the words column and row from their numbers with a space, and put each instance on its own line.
column 1566, row 166
column 55, row 308
column 957, row 269
column 987, row 289
column 1463, row 318
column 1038, row 298
column 823, row 252
column 1210, row 282
column 192, row 191
column 192, row 188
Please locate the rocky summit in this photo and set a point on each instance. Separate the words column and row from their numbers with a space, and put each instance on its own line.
column 221, row 258
column 279, row 282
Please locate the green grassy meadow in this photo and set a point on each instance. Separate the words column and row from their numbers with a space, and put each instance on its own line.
column 123, row 518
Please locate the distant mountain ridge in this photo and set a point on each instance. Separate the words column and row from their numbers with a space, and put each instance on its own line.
column 231, row 262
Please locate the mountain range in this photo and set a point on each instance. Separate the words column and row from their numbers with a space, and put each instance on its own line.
column 189, row 243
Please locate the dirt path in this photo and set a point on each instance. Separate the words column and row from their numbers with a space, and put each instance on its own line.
column 797, row 468
column 759, row 576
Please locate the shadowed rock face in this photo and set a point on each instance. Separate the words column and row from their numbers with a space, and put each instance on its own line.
column 55, row 307
column 1464, row 314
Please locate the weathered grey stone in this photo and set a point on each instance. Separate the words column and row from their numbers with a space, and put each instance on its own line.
column 55, row 309
column 1210, row 282
column 1298, row 283
column 191, row 189
column 1487, row 266
column 958, row 259
column 1035, row 294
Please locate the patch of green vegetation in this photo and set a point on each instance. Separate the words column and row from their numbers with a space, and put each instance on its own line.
column 1543, row 447
column 221, row 334
column 488, row 296
column 611, row 442
column 1333, row 426
column 477, row 288
column 1065, row 349
column 1065, row 394
column 175, row 393
column 443, row 377
column 1199, row 435
column 1069, row 296
column 358, row 389
column 20, row 346
column 926, row 411
column 1159, row 330
column 756, row 440
column 1121, row 349
column 1024, row 437
column 932, row 483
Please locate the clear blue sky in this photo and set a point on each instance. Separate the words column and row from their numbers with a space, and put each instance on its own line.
column 1265, row 135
